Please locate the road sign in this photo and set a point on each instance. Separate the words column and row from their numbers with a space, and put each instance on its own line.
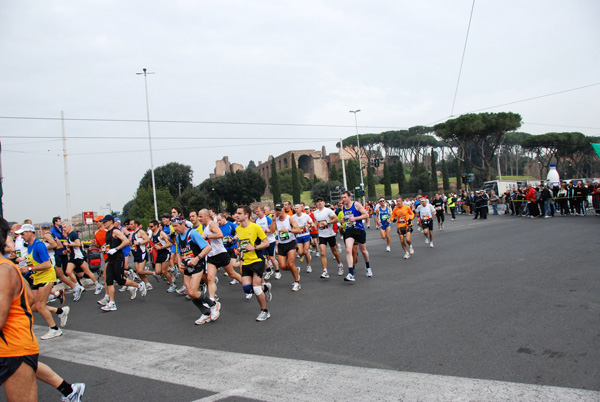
column 88, row 218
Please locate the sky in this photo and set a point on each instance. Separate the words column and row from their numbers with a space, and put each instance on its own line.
column 249, row 79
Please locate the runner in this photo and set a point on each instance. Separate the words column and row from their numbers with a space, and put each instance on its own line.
column 264, row 222
column 383, row 212
column 325, row 218
column 77, row 265
column 438, row 204
column 139, row 242
column 62, row 258
column 161, row 243
column 287, row 228
column 115, row 270
column 425, row 213
column 314, row 231
column 305, row 223
column 354, row 213
column 191, row 260
column 403, row 215
column 252, row 239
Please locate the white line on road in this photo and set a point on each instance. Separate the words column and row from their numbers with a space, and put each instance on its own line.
column 279, row 379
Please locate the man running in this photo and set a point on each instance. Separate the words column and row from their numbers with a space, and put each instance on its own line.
column 425, row 213
column 77, row 263
column 305, row 223
column 264, row 222
column 383, row 212
column 252, row 239
column 139, row 242
column 325, row 218
column 354, row 213
column 403, row 216
column 61, row 257
column 161, row 243
column 286, row 228
column 115, row 265
column 192, row 251
column 438, row 204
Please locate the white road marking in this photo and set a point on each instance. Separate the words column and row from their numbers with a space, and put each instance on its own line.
column 278, row 379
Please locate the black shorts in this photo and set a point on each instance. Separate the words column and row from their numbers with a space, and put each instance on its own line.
column 8, row 365
column 40, row 285
column 404, row 230
column 285, row 248
column 270, row 251
column 61, row 260
column 115, row 269
column 197, row 269
column 78, row 262
column 329, row 241
column 257, row 268
column 314, row 235
column 220, row 260
column 162, row 257
column 231, row 252
column 140, row 257
column 359, row 235
column 428, row 224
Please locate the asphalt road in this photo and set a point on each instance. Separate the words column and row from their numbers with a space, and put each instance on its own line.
column 506, row 299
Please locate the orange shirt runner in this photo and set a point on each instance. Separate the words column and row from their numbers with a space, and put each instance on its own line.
column 402, row 214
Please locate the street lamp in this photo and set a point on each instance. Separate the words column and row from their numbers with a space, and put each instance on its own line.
column 145, row 73
column 362, row 182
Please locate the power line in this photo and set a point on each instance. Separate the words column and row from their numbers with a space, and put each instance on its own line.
column 462, row 59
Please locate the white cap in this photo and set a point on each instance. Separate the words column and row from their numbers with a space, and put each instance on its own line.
column 25, row 228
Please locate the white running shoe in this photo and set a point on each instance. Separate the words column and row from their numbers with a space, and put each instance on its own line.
column 263, row 316
column 308, row 269
column 77, row 292
column 52, row 333
column 202, row 320
column 149, row 286
column 318, row 254
column 142, row 289
column 78, row 389
column 110, row 306
column 133, row 291
column 104, row 301
column 427, row 240
column 431, row 245
column 268, row 294
column 340, row 269
column 349, row 278
column 388, row 249
column 325, row 275
column 215, row 311
column 296, row 287
column 235, row 281
column 406, row 255
column 123, row 288
column 339, row 248
column 64, row 316
column 172, row 288
column 268, row 274
column 411, row 250
column 99, row 288
column 181, row 291
column 277, row 275
column 248, row 296
column 369, row 273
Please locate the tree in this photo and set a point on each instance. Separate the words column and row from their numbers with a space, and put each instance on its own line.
column 129, row 208
column 251, row 165
column 324, row 189
column 434, row 179
column 353, row 174
column 144, row 203
column 194, row 199
column 243, row 187
column 419, row 178
column 275, row 189
column 173, row 176
column 334, row 174
column 458, row 175
column 286, row 182
column 445, row 177
column 387, row 184
column 296, row 187
column 371, row 190
column 401, row 178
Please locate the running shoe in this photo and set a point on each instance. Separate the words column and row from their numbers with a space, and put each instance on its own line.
column 202, row 320
column 51, row 298
column 427, row 240
column 263, row 316
column 142, row 289
column 388, row 249
column 349, row 278
column 78, row 390
column 52, row 333
column 411, row 250
column 308, row 269
column 340, row 269
column 133, row 290
column 103, row 301
column 277, row 275
column 123, row 288
column 99, row 288
column 268, row 273
column 77, row 292
column 149, row 286
column 302, row 258
column 110, row 306
column 181, row 291
column 339, row 248
column 64, row 315
column 298, row 268
column 215, row 311
column 369, row 273
column 235, row 281
column 268, row 294
column 187, row 297
column 431, row 244
column 172, row 288
column 296, row 287
column 325, row 275
column 406, row 255
column 318, row 254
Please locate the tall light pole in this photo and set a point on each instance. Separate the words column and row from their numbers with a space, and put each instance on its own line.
column 145, row 73
column 362, row 182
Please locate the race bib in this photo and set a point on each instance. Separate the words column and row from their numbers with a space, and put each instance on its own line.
column 385, row 217
column 284, row 235
column 323, row 224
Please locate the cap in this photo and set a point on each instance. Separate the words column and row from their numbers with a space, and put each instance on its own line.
column 166, row 216
column 306, row 207
column 117, row 220
column 98, row 218
column 278, row 206
column 25, row 228
column 178, row 219
column 319, row 199
column 107, row 218
column 328, row 205
column 46, row 225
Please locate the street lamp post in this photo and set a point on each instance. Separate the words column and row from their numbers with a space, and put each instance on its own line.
column 362, row 182
column 145, row 73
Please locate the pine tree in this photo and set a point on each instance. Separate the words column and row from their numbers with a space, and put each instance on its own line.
column 434, row 178
column 275, row 189
column 458, row 176
column 387, row 184
column 371, row 190
column 445, row 177
column 401, row 178
column 296, row 186
column 334, row 174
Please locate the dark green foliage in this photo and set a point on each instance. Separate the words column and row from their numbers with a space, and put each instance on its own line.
column 275, row 188
column 173, row 176
column 401, row 178
column 445, row 177
column 296, row 186
column 387, row 183
column 434, row 179
column 323, row 189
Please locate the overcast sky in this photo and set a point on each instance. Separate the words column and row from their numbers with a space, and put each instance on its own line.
column 298, row 67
